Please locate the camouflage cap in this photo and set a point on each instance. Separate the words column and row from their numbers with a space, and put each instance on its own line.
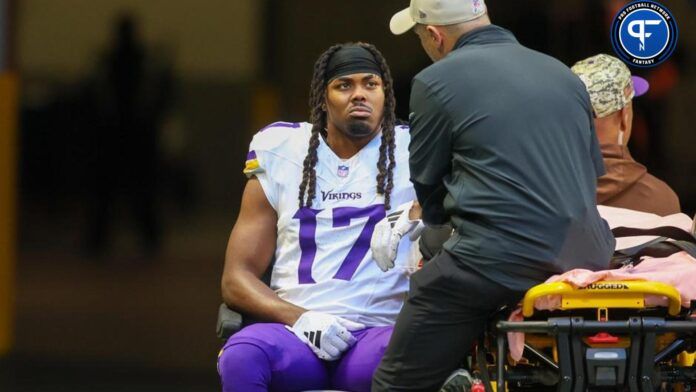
column 609, row 83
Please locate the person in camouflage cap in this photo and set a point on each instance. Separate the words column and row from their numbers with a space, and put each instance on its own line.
column 627, row 183
column 609, row 83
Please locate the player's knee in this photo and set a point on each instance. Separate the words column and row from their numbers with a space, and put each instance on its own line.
column 242, row 365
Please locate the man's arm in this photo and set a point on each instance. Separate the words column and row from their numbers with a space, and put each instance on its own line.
column 594, row 148
column 596, row 152
column 250, row 250
column 429, row 152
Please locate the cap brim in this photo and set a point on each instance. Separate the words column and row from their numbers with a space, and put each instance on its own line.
column 640, row 86
column 401, row 22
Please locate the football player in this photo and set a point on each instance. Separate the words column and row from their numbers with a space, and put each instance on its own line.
column 315, row 193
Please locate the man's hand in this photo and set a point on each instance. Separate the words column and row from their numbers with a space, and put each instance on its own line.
column 389, row 231
column 328, row 336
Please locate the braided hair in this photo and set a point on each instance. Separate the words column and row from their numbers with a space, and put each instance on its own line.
column 317, row 99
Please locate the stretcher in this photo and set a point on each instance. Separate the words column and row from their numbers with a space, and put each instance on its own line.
column 603, row 337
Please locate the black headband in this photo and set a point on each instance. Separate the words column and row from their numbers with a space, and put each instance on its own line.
column 351, row 60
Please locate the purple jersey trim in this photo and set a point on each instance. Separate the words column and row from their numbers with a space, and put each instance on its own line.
column 281, row 124
column 251, row 155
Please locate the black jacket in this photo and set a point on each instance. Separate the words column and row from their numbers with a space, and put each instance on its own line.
column 503, row 145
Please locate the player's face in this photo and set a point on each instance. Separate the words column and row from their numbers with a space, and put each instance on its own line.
column 355, row 103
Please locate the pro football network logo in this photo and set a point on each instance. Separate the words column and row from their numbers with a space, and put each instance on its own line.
column 644, row 33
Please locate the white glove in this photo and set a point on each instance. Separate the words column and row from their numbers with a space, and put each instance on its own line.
column 328, row 336
column 388, row 233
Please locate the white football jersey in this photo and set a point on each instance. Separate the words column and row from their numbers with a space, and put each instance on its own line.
column 323, row 260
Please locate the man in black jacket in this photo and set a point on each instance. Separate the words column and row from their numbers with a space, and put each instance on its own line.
column 503, row 147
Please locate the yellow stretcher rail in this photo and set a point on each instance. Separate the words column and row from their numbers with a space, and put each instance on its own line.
column 603, row 294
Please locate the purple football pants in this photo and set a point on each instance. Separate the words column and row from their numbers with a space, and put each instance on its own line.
column 268, row 357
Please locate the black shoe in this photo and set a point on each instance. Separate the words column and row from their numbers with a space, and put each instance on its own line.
column 459, row 381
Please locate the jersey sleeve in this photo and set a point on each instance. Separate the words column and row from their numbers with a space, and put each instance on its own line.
column 265, row 159
column 252, row 166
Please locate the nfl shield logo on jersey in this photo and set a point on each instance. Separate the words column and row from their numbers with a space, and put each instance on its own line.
column 342, row 171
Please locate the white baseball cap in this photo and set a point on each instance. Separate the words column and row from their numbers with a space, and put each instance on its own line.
column 436, row 13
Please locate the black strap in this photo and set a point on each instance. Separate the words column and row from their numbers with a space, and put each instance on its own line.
column 659, row 247
column 670, row 241
column 688, row 247
column 672, row 232
column 634, row 250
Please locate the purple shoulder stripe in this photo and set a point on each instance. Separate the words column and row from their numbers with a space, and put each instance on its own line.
column 281, row 124
column 251, row 155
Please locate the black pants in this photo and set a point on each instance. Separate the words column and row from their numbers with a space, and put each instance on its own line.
column 446, row 310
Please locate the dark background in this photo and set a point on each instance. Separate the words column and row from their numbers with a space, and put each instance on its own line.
column 127, row 195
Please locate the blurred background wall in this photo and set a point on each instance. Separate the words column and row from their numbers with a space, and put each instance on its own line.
column 59, row 39
column 133, row 122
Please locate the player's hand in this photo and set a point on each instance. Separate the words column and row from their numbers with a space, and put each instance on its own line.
column 388, row 233
column 328, row 336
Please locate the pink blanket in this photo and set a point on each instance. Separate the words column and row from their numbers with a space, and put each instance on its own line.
column 678, row 270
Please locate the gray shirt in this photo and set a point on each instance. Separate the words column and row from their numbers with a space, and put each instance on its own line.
column 503, row 145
